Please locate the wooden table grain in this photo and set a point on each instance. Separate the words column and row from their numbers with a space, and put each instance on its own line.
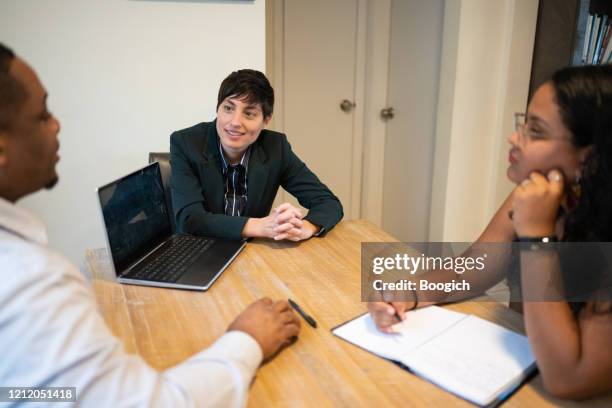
column 166, row 326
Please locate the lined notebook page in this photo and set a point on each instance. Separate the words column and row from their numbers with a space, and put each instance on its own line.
column 475, row 359
column 468, row 356
column 420, row 326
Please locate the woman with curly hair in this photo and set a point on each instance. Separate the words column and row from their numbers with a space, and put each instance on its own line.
column 561, row 162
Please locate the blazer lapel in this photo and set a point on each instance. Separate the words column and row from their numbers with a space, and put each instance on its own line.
column 257, row 178
column 212, row 172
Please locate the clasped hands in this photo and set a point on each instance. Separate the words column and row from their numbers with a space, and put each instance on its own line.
column 284, row 222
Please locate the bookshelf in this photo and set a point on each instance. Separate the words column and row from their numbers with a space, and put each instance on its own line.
column 560, row 35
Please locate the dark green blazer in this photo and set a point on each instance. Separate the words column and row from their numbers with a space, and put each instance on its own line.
column 198, row 190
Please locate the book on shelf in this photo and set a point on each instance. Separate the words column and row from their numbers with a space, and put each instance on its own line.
column 600, row 38
column 597, row 47
column 593, row 38
column 607, row 45
column 587, row 38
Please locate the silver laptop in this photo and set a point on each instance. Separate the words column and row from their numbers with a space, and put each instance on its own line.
column 140, row 241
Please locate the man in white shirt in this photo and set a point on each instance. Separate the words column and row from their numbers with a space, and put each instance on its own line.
column 51, row 333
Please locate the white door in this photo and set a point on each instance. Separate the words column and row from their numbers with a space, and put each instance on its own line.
column 414, row 61
column 320, row 60
column 316, row 73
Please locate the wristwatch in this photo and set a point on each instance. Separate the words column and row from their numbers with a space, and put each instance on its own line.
column 537, row 243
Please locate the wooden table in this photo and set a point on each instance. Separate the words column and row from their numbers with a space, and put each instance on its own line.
column 323, row 275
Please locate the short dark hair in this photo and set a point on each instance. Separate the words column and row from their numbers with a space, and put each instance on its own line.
column 250, row 85
column 12, row 92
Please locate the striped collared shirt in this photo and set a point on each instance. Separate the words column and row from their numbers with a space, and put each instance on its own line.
column 235, row 177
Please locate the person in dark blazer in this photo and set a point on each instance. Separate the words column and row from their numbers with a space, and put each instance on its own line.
column 226, row 173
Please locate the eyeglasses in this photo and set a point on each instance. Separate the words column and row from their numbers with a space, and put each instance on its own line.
column 528, row 134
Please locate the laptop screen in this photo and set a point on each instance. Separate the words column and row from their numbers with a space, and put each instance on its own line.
column 135, row 215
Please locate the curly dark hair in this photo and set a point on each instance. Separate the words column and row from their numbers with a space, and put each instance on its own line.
column 584, row 97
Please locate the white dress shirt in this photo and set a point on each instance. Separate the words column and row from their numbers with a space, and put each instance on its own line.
column 51, row 334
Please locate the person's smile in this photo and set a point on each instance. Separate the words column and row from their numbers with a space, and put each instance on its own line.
column 233, row 133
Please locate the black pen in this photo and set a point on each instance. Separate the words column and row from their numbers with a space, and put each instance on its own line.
column 397, row 316
column 302, row 313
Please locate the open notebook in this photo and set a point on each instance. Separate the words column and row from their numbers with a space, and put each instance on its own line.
column 475, row 359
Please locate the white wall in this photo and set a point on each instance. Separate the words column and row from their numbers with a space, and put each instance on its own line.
column 486, row 64
column 121, row 76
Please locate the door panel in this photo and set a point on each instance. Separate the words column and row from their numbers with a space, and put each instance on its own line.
column 414, row 61
column 319, row 72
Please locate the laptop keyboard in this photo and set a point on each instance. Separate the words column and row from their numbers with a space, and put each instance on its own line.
column 173, row 260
